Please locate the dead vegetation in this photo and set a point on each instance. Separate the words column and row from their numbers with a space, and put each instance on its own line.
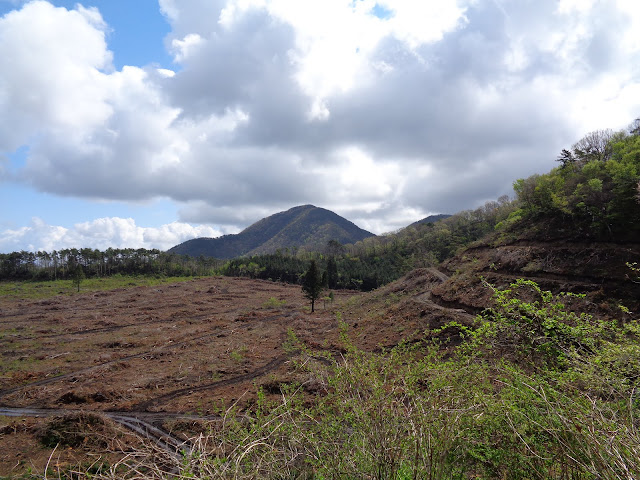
column 185, row 348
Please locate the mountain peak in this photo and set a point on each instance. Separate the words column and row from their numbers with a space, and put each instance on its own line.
column 305, row 226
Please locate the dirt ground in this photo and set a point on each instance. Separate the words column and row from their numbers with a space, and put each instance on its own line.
column 186, row 348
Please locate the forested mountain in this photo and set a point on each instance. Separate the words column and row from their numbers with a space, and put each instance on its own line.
column 305, row 227
column 377, row 260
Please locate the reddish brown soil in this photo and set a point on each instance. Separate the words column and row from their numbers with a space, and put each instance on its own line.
column 189, row 347
column 118, row 350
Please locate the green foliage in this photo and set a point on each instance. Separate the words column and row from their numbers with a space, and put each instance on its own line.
column 47, row 289
column 61, row 265
column 277, row 266
column 534, row 327
column 635, row 268
column 595, row 191
column 77, row 276
column 392, row 416
column 238, row 354
column 332, row 273
column 274, row 303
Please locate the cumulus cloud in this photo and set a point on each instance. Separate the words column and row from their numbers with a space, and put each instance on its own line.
column 51, row 61
column 384, row 111
column 101, row 233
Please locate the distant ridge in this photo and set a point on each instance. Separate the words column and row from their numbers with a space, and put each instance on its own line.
column 431, row 219
column 306, row 226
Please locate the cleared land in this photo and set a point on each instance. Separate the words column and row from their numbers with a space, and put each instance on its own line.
column 184, row 349
column 171, row 355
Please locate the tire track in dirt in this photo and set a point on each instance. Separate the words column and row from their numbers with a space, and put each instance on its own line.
column 138, row 422
column 258, row 372
column 111, row 328
column 161, row 438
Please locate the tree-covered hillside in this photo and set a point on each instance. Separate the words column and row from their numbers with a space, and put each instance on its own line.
column 593, row 193
column 305, row 227
column 431, row 219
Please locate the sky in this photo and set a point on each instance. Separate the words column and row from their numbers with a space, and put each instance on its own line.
column 145, row 123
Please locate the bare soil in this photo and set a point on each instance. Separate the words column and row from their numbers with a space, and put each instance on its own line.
column 187, row 349
column 597, row 270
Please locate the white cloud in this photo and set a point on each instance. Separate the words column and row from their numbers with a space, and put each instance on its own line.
column 185, row 47
column 424, row 22
column 358, row 178
column 101, row 233
column 91, row 131
column 52, row 62
column 335, row 39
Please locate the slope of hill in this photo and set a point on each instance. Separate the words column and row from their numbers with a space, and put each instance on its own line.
column 596, row 269
column 575, row 229
column 431, row 219
column 306, row 227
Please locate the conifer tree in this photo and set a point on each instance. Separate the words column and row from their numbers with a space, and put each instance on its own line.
column 77, row 276
column 312, row 284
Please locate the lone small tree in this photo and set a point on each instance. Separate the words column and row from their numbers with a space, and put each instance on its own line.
column 77, row 276
column 312, row 284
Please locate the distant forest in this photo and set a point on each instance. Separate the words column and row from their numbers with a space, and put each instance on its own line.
column 364, row 265
column 62, row 264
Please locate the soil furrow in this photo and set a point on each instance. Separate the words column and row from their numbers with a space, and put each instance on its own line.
column 272, row 365
column 82, row 371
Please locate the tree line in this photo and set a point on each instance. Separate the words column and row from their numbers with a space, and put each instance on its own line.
column 64, row 264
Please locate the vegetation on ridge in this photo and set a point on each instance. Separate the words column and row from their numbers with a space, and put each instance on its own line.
column 594, row 193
